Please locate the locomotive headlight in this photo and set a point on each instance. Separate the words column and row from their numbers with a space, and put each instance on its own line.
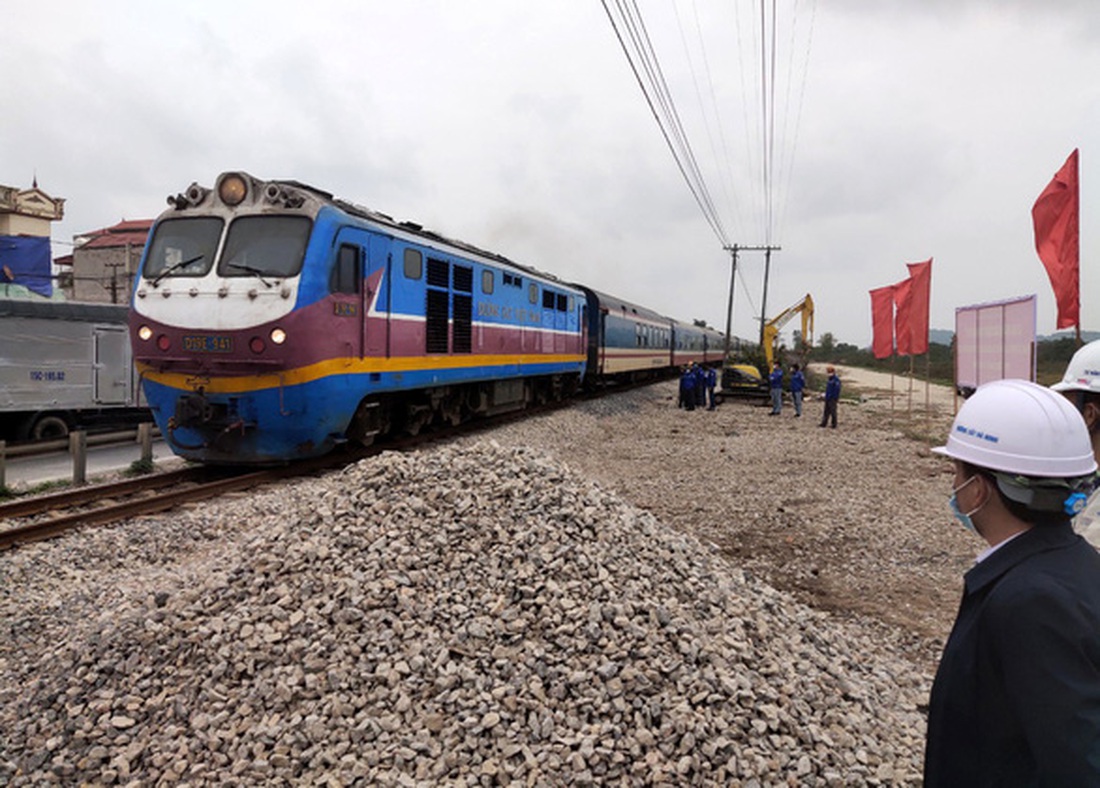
column 145, row 333
column 232, row 190
column 278, row 336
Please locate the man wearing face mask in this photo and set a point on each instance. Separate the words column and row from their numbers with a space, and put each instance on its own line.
column 1081, row 386
column 1016, row 699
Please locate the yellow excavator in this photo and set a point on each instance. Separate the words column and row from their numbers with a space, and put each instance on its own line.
column 805, row 306
column 740, row 379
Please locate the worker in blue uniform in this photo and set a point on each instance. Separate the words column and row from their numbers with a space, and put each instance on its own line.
column 1016, row 699
column 832, row 398
column 712, row 381
column 687, row 388
column 797, row 384
column 775, row 384
column 700, row 385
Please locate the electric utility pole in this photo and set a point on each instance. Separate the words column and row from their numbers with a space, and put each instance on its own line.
column 733, row 250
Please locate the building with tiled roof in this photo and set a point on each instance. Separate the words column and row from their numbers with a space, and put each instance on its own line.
column 104, row 261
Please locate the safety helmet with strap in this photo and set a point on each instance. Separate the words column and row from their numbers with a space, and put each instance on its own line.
column 1032, row 440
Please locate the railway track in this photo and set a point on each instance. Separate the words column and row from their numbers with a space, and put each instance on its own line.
column 45, row 517
column 48, row 516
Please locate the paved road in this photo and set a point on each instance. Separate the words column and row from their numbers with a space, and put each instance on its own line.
column 28, row 472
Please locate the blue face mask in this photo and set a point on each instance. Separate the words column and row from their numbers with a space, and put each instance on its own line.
column 961, row 516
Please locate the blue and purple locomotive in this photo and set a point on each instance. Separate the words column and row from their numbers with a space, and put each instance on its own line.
column 271, row 321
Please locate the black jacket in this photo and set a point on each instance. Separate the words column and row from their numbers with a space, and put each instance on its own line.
column 1016, row 700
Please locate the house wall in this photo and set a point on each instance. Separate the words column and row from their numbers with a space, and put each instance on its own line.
column 104, row 275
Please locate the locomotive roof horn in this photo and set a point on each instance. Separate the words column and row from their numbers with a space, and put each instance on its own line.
column 282, row 194
column 194, row 196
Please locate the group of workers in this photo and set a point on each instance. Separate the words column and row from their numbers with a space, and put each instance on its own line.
column 797, row 387
column 1016, row 698
column 697, row 386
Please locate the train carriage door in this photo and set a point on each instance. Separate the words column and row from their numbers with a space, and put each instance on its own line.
column 603, row 342
column 376, row 297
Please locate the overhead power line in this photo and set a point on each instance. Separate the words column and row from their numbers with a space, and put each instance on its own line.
column 634, row 39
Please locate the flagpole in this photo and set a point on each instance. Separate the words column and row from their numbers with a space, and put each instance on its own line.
column 909, row 414
column 927, row 391
column 893, row 365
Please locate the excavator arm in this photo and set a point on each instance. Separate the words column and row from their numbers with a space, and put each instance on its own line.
column 805, row 306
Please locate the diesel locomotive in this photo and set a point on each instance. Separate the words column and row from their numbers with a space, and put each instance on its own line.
column 272, row 321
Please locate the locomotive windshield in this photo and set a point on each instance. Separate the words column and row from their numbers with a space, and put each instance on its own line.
column 265, row 246
column 183, row 247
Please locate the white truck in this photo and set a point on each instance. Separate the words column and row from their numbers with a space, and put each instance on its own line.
column 65, row 365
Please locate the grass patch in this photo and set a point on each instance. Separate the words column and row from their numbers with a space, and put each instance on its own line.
column 141, row 468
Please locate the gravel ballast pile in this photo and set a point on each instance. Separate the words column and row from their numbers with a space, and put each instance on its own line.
column 476, row 614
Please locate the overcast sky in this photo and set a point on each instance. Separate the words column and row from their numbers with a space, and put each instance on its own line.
column 902, row 131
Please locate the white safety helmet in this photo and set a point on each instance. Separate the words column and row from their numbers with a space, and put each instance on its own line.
column 1023, row 429
column 1083, row 370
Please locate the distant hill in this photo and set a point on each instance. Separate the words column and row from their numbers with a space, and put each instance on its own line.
column 940, row 336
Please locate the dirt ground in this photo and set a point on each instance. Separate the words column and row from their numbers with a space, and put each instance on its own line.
column 853, row 521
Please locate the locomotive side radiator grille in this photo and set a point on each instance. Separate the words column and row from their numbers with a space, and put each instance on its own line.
column 437, row 306
column 462, row 309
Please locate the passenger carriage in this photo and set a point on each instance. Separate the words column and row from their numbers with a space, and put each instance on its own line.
column 626, row 341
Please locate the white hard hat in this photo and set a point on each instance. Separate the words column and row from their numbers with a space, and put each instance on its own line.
column 1021, row 428
column 1083, row 370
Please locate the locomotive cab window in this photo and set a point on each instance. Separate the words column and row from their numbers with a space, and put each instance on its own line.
column 345, row 271
column 183, row 247
column 414, row 264
column 265, row 246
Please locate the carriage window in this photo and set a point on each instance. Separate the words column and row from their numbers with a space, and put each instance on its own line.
column 345, row 274
column 265, row 246
column 414, row 264
column 487, row 282
column 533, row 293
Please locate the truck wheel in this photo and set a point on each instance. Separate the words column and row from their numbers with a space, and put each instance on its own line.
column 49, row 427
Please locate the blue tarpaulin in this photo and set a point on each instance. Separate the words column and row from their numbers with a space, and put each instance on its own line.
column 26, row 261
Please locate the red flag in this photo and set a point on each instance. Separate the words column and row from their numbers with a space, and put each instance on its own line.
column 920, row 296
column 902, row 292
column 882, row 321
column 1055, row 215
